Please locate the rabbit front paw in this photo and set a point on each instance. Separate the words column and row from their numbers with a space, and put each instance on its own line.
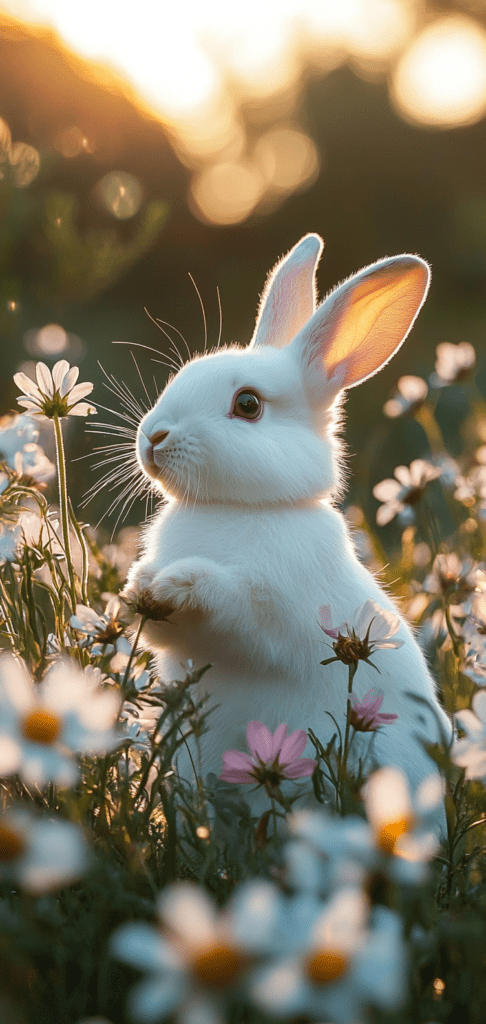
column 190, row 584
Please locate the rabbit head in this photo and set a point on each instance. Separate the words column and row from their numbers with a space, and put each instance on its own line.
column 256, row 425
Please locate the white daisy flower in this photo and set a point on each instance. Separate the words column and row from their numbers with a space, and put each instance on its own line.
column 342, row 959
column 404, row 827
column 400, row 495
column 199, row 958
column 410, row 395
column 39, row 853
column 42, row 725
column 20, row 451
column 469, row 751
column 103, row 632
column 454, row 363
column 56, row 393
column 9, row 543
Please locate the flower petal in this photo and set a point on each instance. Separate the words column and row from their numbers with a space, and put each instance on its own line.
column 69, row 381
column 293, row 746
column 80, row 391
column 44, row 379
column 299, row 768
column 26, row 384
column 260, row 740
column 82, row 409
column 59, row 371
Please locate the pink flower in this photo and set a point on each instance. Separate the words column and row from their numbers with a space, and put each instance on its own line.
column 365, row 713
column 273, row 757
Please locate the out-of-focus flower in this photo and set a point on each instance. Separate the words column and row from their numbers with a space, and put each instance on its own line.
column 200, row 956
column 469, row 751
column 326, row 851
column 410, row 395
column 56, row 393
column 404, row 826
column 20, row 451
column 341, row 960
column 372, row 628
column 39, row 853
column 42, row 725
column 453, row 575
column 103, row 632
column 40, row 532
column 273, row 757
column 365, row 714
column 454, row 363
column 400, row 495
column 9, row 543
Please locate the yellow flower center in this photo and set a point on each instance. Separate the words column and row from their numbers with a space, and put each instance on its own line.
column 41, row 726
column 389, row 833
column 326, row 966
column 217, row 965
column 11, row 844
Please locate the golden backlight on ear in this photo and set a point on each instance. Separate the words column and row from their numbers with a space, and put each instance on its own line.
column 372, row 318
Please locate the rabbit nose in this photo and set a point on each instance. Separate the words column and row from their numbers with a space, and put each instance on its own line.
column 158, row 437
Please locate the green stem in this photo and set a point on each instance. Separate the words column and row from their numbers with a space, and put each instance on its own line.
column 133, row 651
column 63, row 503
column 352, row 672
column 84, row 554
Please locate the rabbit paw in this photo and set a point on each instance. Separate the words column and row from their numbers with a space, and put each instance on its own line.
column 190, row 584
column 138, row 594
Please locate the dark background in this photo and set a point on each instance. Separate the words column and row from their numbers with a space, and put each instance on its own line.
column 385, row 187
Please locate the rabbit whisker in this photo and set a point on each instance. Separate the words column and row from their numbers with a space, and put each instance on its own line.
column 203, row 312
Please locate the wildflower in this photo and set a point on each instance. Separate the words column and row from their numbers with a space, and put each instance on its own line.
column 56, row 393
column 196, row 960
column 454, row 363
column 39, row 853
column 341, row 959
column 410, row 395
column 365, row 714
column 43, row 724
column 469, row 751
column 20, row 451
column 453, row 575
column 372, row 628
column 400, row 495
column 326, row 851
column 9, row 543
column 103, row 632
column 273, row 757
column 403, row 826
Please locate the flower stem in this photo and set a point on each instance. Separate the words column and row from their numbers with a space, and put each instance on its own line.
column 344, row 763
column 143, row 619
column 63, row 504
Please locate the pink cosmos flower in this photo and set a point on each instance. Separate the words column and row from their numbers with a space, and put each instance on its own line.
column 273, row 757
column 365, row 713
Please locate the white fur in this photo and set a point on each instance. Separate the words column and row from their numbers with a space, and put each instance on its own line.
column 249, row 545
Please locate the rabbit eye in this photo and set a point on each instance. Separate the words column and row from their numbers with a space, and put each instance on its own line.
column 247, row 405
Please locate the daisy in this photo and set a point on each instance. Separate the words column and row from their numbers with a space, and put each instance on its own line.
column 20, row 451
column 400, row 495
column 469, row 751
column 103, row 632
column 409, row 397
column 274, row 757
column 56, row 393
column 197, row 957
column 454, row 363
column 39, row 853
column 9, row 543
column 42, row 725
column 404, row 827
column 342, row 959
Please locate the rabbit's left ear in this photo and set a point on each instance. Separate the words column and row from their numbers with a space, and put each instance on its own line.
column 289, row 296
column 363, row 322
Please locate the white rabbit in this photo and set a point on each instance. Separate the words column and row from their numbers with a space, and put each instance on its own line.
column 249, row 544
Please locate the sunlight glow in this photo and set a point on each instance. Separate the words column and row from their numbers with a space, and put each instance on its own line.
column 441, row 79
column 196, row 65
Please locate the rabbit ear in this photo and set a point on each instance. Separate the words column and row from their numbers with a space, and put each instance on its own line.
column 289, row 297
column 363, row 322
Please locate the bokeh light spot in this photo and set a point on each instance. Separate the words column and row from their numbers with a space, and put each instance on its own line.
column 226, row 193
column 121, row 193
column 441, row 78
